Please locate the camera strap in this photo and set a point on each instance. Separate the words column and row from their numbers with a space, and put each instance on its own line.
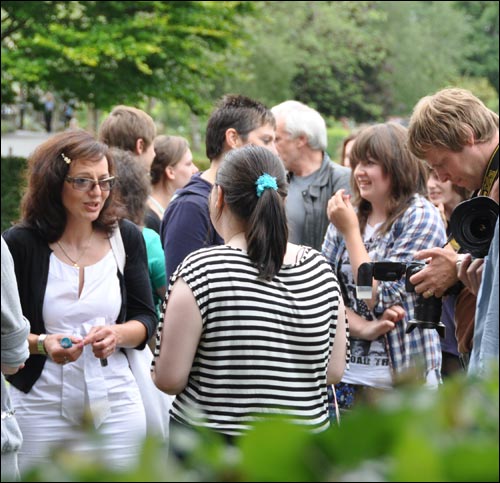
column 490, row 176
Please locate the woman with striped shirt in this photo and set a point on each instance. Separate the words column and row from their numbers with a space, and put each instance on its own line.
column 255, row 327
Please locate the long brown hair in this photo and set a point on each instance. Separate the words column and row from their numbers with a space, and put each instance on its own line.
column 132, row 187
column 42, row 207
column 386, row 145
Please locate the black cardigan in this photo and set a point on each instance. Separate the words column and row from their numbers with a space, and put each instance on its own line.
column 31, row 255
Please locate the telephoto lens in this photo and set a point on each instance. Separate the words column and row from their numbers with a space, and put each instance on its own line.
column 472, row 224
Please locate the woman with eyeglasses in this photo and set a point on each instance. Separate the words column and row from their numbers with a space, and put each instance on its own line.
column 81, row 308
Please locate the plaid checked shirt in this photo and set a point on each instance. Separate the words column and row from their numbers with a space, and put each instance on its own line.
column 419, row 228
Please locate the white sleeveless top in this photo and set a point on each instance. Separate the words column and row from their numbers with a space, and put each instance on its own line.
column 85, row 384
column 64, row 311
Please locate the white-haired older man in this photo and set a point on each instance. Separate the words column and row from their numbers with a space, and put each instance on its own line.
column 301, row 141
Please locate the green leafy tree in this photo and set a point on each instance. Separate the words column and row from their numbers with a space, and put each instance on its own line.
column 422, row 55
column 482, row 88
column 267, row 62
column 482, row 42
column 321, row 53
column 12, row 184
column 108, row 52
column 364, row 60
column 342, row 57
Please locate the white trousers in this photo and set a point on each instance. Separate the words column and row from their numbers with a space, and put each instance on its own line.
column 116, row 442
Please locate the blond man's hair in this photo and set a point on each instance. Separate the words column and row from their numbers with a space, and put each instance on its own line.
column 446, row 120
column 124, row 126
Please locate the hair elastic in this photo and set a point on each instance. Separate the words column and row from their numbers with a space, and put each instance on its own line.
column 265, row 181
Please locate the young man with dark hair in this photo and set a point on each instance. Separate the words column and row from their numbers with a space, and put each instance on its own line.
column 186, row 226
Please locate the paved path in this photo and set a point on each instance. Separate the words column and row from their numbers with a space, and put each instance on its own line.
column 22, row 143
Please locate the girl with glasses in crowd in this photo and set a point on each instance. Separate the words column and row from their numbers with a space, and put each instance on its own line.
column 81, row 308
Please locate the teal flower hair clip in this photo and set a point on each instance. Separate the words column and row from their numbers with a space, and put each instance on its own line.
column 264, row 182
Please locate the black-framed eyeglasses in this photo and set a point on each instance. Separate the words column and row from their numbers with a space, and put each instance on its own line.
column 86, row 184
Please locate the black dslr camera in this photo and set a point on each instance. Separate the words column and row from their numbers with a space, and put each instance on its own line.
column 472, row 224
column 427, row 311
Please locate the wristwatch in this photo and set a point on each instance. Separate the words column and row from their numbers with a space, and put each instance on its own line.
column 39, row 344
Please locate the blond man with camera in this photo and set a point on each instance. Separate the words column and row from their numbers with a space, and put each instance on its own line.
column 457, row 135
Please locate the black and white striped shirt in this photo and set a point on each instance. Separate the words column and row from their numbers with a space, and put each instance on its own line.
column 265, row 346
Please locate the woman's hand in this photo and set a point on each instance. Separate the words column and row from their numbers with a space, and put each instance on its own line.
column 104, row 340
column 59, row 354
column 373, row 329
column 341, row 213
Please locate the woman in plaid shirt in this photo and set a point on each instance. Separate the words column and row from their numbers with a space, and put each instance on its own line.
column 388, row 219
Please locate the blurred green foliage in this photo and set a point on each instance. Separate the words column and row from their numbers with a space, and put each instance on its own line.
column 109, row 52
column 13, row 169
column 412, row 434
column 336, row 135
column 364, row 60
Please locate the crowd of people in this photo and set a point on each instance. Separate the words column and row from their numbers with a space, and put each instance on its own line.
column 242, row 278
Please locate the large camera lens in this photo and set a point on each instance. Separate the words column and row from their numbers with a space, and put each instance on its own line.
column 472, row 224
column 427, row 315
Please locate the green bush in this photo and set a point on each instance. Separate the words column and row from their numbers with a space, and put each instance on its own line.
column 412, row 434
column 336, row 136
column 13, row 169
column 8, row 125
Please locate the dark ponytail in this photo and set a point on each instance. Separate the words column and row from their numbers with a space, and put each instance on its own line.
column 263, row 214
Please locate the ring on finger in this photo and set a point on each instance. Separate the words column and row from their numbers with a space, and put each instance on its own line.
column 429, row 293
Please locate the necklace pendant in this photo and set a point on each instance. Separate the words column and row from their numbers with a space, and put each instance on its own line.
column 76, row 265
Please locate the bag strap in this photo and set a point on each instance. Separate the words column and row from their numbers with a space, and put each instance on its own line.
column 490, row 176
column 118, row 248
